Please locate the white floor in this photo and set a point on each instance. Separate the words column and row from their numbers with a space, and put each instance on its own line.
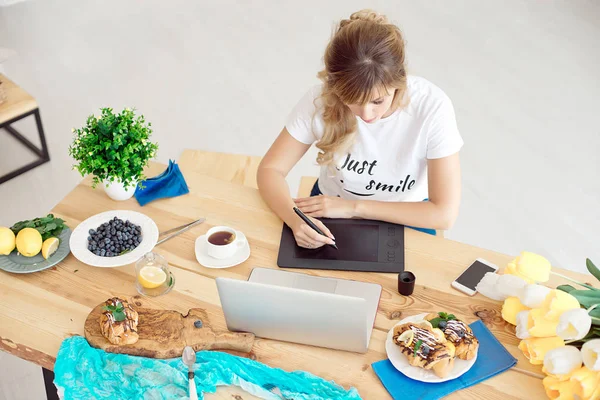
column 223, row 76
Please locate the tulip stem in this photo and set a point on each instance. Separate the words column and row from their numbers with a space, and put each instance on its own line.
column 574, row 281
column 592, row 307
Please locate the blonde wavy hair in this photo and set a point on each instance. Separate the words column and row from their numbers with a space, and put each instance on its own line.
column 365, row 55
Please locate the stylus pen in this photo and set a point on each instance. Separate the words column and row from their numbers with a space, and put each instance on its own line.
column 312, row 225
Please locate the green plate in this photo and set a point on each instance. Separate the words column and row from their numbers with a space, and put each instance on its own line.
column 14, row 262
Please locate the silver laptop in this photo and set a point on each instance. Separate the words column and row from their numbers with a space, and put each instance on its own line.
column 299, row 308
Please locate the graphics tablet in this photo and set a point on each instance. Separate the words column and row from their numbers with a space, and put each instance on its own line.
column 363, row 245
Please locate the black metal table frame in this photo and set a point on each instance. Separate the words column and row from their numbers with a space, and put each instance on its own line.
column 42, row 154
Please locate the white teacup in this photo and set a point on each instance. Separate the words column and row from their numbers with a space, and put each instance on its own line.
column 226, row 249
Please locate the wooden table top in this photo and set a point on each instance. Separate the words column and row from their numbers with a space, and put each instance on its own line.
column 39, row 310
column 18, row 101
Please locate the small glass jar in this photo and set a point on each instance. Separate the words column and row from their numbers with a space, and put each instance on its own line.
column 153, row 276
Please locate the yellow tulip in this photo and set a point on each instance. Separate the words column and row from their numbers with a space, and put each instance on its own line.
column 511, row 269
column 536, row 348
column 557, row 302
column 530, row 266
column 557, row 389
column 511, row 307
column 585, row 382
column 596, row 393
column 539, row 326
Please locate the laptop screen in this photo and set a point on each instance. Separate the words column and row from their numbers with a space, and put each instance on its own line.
column 355, row 242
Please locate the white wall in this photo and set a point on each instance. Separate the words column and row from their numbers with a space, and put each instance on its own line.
column 223, row 75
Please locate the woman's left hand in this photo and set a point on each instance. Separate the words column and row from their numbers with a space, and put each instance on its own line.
column 326, row 206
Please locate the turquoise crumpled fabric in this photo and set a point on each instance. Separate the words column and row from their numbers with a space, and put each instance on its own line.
column 83, row 372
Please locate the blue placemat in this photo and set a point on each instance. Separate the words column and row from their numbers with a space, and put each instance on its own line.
column 170, row 183
column 492, row 359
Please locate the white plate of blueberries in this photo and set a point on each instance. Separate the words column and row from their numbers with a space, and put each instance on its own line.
column 113, row 238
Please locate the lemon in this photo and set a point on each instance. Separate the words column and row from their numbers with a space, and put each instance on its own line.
column 151, row 277
column 407, row 337
column 423, row 325
column 451, row 349
column 439, row 334
column 7, row 241
column 29, row 242
column 49, row 247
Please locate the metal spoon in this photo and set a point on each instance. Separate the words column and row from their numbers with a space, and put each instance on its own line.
column 189, row 359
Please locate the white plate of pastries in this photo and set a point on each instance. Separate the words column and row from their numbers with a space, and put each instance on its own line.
column 428, row 354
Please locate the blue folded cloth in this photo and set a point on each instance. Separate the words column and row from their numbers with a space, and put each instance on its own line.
column 85, row 373
column 168, row 184
column 492, row 359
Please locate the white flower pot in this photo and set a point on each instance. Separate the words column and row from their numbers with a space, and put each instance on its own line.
column 116, row 191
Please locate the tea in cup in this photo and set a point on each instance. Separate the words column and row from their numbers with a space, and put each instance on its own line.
column 223, row 242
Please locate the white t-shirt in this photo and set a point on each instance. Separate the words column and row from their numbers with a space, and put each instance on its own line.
column 388, row 159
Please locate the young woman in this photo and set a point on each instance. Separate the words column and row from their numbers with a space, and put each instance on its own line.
column 388, row 142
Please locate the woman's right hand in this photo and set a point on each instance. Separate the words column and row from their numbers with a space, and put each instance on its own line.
column 308, row 238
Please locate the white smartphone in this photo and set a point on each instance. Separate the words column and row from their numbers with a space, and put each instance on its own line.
column 468, row 280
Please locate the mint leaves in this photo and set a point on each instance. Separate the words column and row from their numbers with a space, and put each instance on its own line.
column 47, row 226
column 418, row 345
column 117, row 311
column 442, row 317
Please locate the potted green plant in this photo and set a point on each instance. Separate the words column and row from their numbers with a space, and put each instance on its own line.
column 114, row 149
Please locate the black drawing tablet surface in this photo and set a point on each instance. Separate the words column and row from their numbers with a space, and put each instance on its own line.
column 363, row 245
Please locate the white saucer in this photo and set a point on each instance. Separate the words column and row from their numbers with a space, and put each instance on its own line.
column 209, row 262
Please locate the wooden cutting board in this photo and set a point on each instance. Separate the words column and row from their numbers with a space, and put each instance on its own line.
column 164, row 334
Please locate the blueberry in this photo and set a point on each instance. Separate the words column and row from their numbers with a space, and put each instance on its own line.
column 425, row 349
column 130, row 242
column 461, row 334
column 101, row 245
column 107, row 240
column 442, row 324
column 198, row 324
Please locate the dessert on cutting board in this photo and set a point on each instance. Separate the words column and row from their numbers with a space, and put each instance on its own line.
column 118, row 322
